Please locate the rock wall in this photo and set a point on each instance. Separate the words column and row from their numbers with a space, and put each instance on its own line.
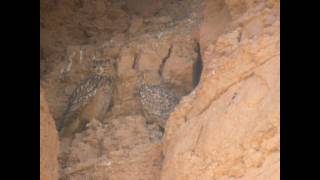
column 121, row 149
column 49, row 142
column 225, row 128
column 120, row 146
column 228, row 127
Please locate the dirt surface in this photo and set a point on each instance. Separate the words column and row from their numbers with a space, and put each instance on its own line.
column 227, row 127
column 121, row 149
column 49, row 142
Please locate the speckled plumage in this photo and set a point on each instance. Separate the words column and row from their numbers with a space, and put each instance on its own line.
column 157, row 102
column 102, row 79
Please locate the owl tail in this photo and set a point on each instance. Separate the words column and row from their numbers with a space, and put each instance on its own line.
column 65, row 116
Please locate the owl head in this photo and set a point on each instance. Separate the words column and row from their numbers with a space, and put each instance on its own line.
column 104, row 67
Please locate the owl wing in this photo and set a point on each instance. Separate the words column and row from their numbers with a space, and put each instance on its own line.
column 80, row 97
column 84, row 91
column 167, row 101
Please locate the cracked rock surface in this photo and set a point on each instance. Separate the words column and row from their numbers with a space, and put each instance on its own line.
column 227, row 126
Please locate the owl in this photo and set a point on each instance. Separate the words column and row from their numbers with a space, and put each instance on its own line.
column 157, row 102
column 90, row 99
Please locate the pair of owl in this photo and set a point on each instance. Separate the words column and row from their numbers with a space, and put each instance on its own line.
column 90, row 99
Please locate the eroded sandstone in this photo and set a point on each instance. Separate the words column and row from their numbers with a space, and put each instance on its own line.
column 227, row 127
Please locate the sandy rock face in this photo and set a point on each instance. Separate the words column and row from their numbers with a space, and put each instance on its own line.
column 179, row 65
column 228, row 127
column 225, row 128
column 49, row 143
column 121, row 149
column 143, row 7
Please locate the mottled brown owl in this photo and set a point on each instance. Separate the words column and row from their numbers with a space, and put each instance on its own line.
column 157, row 102
column 90, row 99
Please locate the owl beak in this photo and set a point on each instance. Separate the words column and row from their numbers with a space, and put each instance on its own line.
column 99, row 70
